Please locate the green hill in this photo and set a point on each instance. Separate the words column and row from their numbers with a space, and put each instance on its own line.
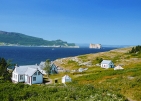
column 12, row 38
column 119, row 83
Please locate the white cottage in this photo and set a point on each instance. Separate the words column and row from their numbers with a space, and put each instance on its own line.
column 30, row 74
column 107, row 64
column 65, row 79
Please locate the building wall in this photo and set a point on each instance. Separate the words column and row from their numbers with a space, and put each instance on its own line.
column 14, row 77
column 28, row 80
column 25, row 78
column 66, row 80
column 39, row 78
column 21, row 80
column 104, row 65
column 107, row 65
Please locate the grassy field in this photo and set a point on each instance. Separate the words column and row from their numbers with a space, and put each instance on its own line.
column 125, row 82
column 94, row 84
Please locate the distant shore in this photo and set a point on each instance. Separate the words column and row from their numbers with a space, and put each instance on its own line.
column 40, row 46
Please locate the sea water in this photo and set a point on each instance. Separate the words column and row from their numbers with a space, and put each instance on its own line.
column 34, row 55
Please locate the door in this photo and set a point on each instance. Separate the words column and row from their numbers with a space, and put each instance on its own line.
column 28, row 79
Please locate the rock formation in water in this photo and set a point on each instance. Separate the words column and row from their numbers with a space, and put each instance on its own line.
column 97, row 46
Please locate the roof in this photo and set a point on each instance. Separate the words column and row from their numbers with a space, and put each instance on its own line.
column 28, row 69
column 42, row 65
column 106, row 61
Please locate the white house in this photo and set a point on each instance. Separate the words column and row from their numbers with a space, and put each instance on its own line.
column 29, row 74
column 107, row 64
column 65, row 79
column 118, row 68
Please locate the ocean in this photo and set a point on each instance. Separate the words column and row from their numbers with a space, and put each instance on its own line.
column 34, row 55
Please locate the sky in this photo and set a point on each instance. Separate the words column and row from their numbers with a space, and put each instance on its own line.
column 108, row 22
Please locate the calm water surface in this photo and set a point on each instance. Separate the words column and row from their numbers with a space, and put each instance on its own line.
column 33, row 55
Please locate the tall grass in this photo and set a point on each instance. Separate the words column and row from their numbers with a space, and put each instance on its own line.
column 20, row 92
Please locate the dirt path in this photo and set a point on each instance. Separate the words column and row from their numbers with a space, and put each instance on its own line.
column 50, row 82
column 130, row 99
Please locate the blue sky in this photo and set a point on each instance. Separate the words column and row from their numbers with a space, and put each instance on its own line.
column 108, row 22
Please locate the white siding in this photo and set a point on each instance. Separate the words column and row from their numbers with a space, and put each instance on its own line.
column 23, row 78
column 39, row 78
column 110, row 65
column 105, row 65
column 66, row 80
column 15, row 77
column 28, row 80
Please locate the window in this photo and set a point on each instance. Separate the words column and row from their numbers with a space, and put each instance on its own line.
column 34, row 78
column 39, row 73
column 21, row 77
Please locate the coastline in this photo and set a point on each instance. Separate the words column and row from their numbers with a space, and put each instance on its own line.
column 40, row 46
column 34, row 55
column 88, row 58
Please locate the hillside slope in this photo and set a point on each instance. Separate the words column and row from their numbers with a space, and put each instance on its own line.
column 126, row 82
column 20, row 39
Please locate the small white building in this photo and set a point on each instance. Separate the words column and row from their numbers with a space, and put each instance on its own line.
column 65, row 79
column 118, row 68
column 80, row 70
column 29, row 74
column 107, row 64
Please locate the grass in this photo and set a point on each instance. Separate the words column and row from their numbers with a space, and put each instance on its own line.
column 122, row 83
column 125, row 82
column 116, row 81
column 83, row 58
column 95, row 84
column 73, row 92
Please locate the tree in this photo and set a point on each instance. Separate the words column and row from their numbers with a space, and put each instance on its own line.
column 99, row 60
column 47, row 67
column 3, row 66
column 136, row 49
column 3, row 69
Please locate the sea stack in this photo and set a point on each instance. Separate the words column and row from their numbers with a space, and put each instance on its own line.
column 96, row 46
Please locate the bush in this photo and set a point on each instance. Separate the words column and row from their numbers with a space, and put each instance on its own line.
column 19, row 92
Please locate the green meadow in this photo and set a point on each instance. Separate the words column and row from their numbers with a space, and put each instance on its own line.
column 94, row 84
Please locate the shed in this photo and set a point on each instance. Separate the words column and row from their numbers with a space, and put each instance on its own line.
column 80, row 70
column 65, row 79
column 107, row 64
